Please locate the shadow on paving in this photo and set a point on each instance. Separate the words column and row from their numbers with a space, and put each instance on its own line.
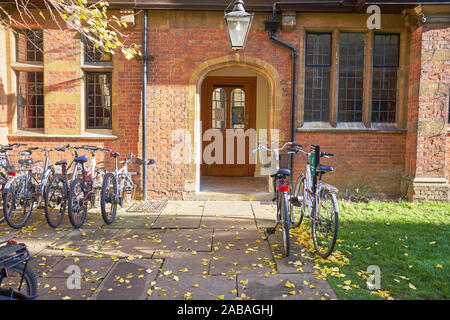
column 194, row 254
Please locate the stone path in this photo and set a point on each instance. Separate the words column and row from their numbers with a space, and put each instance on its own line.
column 192, row 250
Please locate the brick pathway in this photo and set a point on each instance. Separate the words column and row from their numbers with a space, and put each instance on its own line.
column 193, row 249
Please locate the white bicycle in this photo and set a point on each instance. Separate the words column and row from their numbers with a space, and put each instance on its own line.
column 313, row 199
column 118, row 187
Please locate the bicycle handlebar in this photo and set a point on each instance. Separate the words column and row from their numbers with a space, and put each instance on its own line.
column 261, row 146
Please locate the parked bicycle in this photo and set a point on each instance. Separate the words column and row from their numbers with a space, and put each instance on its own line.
column 281, row 186
column 118, row 187
column 313, row 199
column 6, row 169
column 17, row 279
column 82, row 189
column 57, row 193
column 26, row 188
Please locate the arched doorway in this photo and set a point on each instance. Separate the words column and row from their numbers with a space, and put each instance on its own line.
column 233, row 100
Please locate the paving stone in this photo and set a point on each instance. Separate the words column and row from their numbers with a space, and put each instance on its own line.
column 265, row 213
column 228, row 223
column 298, row 257
column 184, row 263
column 240, row 251
column 207, row 252
column 196, row 288
column 183, row 240
column 189, row 208
column 90, row 268
column 125, row 220
column 177, row 221
column 128, row 280
column 82, row 237
column 42, row 264
column 274, row 287
column 57, row 289
column 227, row 209
column 134, row 242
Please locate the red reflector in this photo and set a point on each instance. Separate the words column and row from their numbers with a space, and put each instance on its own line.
column 11, row 174
column 283, row 188
column 11, row 241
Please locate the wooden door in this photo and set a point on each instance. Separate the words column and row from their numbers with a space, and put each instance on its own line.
column 229, row 108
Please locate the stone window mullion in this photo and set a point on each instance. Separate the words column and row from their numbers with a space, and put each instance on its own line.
column 334, row 84
column 367, row 104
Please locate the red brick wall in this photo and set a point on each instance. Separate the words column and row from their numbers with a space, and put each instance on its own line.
column 368, row 160
column 373, row 160
column 61, row 116
column 3, row 87
column 448, row 157
column 177, row 52
column 62, row 81
column 428, row 102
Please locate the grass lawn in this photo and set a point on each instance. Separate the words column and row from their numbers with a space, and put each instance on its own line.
column 409, row 242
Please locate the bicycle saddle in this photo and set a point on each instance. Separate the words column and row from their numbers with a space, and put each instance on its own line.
column 282, row 172
column 25, row 153
column 81, row 159
column 115, row 154
column 61, row 163
column 25, row 162
column 322, row 168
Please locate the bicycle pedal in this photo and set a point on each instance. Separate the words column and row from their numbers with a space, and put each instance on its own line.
column 269, row 232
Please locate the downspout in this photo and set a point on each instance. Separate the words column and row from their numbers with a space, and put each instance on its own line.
column 294, row 82
column 144, row 103
column 293, row 85
column 272, row 25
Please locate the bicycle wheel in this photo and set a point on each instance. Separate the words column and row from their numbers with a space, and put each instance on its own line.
column 77, row 206
column 285, row 224
column 108, row 201
column 17, row 204
column 299, row 203
column 324, row 223
column 55, row 200
column 29, row 285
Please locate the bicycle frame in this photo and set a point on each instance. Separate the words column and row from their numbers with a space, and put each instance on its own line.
column 122, row 176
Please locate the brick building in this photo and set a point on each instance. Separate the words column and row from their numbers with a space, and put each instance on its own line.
column 377, row 98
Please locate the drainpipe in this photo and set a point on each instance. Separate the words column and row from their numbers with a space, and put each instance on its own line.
column 272, row 26
column 293, row 84
column 144, row 103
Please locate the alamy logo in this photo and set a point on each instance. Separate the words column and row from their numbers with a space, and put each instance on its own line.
column 74, row 279
column 374, row 281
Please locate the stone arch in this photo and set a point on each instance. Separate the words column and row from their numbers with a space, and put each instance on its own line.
column 270, row 74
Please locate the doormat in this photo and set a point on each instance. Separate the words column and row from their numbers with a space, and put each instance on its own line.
column 148, row 206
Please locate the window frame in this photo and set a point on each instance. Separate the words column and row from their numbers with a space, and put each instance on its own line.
column 366, row 124
column 330, row 66
column 86, row 57
column 17, row 46
column 86, row 99
column 347, row 88
column 396, row 66
column 22, row 106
